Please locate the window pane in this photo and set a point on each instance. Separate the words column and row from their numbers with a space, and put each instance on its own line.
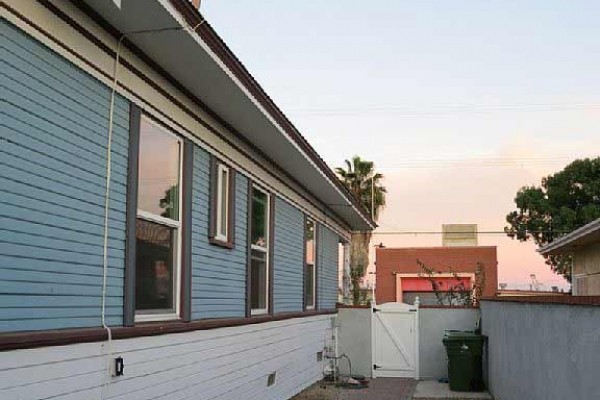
column 154, row 280
column 158, row 187
column 310, row 242
column 309, row 285
column 259, row 218
column 223, row 194
column 258, row 279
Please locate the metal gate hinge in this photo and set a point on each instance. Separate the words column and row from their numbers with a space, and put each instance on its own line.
column 375, row 366
column 376, row 309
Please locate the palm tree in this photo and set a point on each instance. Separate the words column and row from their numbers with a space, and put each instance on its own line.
column 364, row 183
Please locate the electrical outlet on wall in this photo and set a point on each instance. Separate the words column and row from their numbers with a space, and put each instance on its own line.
column 118, row 367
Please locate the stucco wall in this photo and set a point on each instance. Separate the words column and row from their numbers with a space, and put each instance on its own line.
column 354, row 339
column 404, row 260
column 540, row 351
column 432, row 323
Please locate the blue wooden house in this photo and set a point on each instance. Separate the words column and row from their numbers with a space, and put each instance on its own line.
column 165, row 231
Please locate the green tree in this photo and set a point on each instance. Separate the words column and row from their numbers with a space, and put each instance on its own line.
column 565, row 201
column 170, row 202
column 364, row 183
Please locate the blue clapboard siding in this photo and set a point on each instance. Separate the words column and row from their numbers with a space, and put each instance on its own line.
column 327, row 268
column 53, row 124
column 288, row 257
column 218, row 274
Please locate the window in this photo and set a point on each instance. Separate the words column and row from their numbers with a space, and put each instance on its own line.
column 309, row 266
column 259, row 251
column 222, row 204
column 158, row 224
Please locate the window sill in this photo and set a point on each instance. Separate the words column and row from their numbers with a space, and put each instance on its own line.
column 220, row 243
column 61, row 337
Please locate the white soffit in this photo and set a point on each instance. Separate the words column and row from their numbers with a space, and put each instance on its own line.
column 185, row 57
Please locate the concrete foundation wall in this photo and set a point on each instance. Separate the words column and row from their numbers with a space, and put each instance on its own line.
column 432, row 322
column 354, row 339
column 541, row 351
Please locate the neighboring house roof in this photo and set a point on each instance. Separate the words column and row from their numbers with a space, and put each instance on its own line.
column 579, row 237
column 207, row 70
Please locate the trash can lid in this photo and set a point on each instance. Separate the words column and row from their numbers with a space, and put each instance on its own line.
column 452, row 335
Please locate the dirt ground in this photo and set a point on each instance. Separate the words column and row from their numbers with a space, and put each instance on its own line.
column 320, row 391
column 379, row 389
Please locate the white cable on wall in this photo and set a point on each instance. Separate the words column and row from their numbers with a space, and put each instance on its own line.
column 106, row 374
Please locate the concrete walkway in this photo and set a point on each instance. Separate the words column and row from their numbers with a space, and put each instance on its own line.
column 383, row 389
column 432, row 390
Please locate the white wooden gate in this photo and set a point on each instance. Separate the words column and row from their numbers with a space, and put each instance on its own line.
column 395, row 340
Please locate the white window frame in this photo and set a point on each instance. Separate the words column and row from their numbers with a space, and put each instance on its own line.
column 266, row 250
column 314, row 264
column 143, row 316
column 222, row 213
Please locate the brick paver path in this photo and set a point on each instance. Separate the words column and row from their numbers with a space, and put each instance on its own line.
column 383, row 389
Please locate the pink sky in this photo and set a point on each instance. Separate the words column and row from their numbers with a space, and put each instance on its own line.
column 408, row 84
column 424, row 199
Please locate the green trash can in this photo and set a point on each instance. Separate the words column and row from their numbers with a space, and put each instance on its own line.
column 464, row 351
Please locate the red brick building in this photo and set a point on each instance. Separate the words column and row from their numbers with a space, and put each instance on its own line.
column 400, row 278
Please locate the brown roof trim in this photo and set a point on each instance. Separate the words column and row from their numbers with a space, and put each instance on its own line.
column 218, row 46
column 61, row 337
column 567, row 300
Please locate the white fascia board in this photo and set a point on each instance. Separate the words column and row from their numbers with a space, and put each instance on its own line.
column 572, row 237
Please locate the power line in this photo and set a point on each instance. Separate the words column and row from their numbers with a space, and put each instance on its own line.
column 458, row 233
column 445, row 109
column 476, row 162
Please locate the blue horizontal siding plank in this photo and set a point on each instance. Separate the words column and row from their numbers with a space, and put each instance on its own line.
column 53, row 233
column 12, row 275
column 63, row 70
column 59, row 83
column 89, row 205
column 56, row 243
column 23, row 250
column 20, row 214
column 44, row 137
column 218, row 274
column 37, row 265
column 73, row 126
column 22, row 158
column 25, row 176
column 288, row 257
column 69, row 112
column 15, row 314
column 221, row 313
column 54, row 123
column 208, row 276
column 56, row 323
column 41, row 56
column 41, row 301
column 57, row 289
